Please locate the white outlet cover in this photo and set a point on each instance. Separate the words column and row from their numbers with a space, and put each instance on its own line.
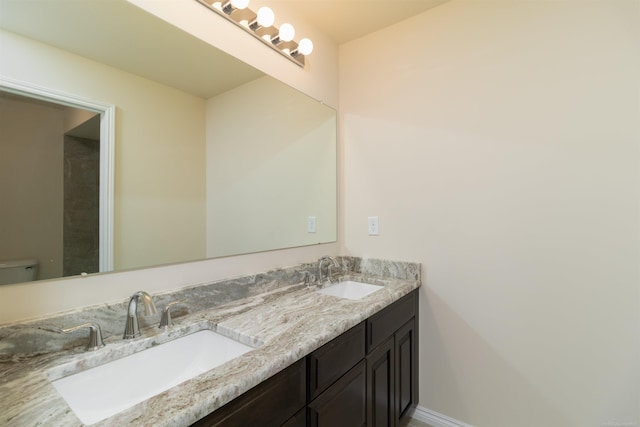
column 311, row 224
column 373, row 226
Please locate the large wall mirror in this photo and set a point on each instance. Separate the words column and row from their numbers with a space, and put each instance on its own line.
column 211, row 157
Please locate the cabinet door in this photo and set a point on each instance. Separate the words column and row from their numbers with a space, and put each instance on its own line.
column 269, row 404
column 406, row 370
column 380, row 385
column 298, row 420
column 344, row 403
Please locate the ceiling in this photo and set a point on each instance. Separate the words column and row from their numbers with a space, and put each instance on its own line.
column 346, row 20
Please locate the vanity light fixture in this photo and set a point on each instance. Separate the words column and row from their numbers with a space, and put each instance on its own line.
column 264, row 18
column 261, row 26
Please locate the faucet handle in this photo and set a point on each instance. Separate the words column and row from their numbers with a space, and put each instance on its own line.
column 95, row 335
column 166, row 321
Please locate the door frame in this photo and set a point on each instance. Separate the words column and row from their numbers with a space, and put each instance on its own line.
column 107, row 142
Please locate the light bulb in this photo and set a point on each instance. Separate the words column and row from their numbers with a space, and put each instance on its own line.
column 240, row 4
column 287, row 32
column 305, row 46
column 265, row 17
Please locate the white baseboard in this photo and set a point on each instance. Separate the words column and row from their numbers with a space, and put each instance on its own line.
column 436, row 419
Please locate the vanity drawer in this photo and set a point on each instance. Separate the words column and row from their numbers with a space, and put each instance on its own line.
column 344, row 404
column 269, row 404
column 383, row 324
column 334, row 359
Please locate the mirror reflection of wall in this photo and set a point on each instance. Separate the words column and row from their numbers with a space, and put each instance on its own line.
column 81, row 230
column 269, row 169
column 49, row 167
column 163, row 194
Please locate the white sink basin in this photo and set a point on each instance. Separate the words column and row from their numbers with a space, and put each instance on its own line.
column 103, row 391
column 350, row 290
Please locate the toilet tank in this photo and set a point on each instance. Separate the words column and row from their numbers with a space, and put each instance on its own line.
column 24, row 270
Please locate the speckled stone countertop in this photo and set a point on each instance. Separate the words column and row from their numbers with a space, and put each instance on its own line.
column 275, row 312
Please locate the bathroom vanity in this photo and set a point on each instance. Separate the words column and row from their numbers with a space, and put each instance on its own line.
column 315, row 359
column 365, row 376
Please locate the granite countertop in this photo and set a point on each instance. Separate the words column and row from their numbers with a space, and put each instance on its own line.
column 285, row 324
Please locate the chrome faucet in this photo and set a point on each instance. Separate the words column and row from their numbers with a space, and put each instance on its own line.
column 321, row 262
column 132, row 330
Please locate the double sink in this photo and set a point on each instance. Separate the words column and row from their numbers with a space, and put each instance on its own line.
column 103, row 391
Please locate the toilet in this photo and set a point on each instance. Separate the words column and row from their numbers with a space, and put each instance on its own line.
column 18, row 271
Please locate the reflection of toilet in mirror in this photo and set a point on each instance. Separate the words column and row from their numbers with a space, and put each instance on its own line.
column 24, row 270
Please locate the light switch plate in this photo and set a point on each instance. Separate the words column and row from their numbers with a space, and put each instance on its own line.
column 311, row 224
column 373, row 226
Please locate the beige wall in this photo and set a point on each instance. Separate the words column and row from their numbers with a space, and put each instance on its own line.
column 498, row 142
column 50, row 69
column 31, row 202
column 268, row 174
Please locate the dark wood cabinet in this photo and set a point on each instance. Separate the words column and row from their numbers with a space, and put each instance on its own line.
column 334, row 359
column 368, row 376
column 344, row 403
column 269, row 404
column 386, row 322
column 406, row 366
column 381, row 385
column 392, row 363
column 298, row 420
